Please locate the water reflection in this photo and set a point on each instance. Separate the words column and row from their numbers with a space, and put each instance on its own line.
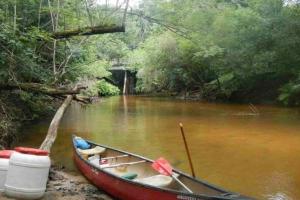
column 278, row 196
column 257, row 155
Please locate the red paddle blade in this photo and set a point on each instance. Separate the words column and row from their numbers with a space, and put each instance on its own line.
column 162, row 166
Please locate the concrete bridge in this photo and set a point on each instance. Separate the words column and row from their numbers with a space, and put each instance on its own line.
column 124, row 77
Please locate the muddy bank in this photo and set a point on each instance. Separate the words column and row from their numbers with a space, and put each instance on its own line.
column 66, row 186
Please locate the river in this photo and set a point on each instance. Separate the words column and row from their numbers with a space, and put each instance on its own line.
column 256, row 155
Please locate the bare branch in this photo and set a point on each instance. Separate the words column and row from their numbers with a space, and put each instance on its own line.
column 177, row 30
column 51, row 15
column 125, row 13
column 39, row 15
column 88, row 12
column 66, row 61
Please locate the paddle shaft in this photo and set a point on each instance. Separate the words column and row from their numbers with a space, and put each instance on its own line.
column 174, row 177
column 187, row 149
column 178, row 181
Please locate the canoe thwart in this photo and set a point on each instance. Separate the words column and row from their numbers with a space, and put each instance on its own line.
column 123, row 164
column 115, row 157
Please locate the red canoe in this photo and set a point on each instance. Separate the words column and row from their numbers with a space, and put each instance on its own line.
column 130, row 177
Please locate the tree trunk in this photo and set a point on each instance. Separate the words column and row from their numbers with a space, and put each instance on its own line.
column 52, row 131
column 40, row 88
column 39, row 16
column 51, row 15
column 88, row 12
column 89, row 31
column 15, row 17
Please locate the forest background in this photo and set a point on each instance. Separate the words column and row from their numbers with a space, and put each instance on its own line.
column 218, row 50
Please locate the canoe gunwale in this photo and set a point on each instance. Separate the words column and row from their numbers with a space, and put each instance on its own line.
column 236, row 196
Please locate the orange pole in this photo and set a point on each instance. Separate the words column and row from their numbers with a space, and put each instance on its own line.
column 187, row 149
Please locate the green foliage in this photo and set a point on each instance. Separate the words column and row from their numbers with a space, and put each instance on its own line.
column 35, row 104
column 228, row 48
column 18, row 59
column 106, row 89
column 101, row 88
column 27, row 49
column 111, row 48
column 92, row 91
column 290, row 93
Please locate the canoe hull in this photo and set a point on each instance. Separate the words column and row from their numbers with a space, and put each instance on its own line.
column 121, row 189
column 124, row 189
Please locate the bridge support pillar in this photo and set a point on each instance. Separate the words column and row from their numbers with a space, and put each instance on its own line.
column 125, row 83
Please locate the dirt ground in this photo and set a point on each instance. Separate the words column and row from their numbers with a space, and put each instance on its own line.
column 67, row 186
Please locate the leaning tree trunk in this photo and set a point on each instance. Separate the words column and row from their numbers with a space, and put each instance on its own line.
column 52, row 131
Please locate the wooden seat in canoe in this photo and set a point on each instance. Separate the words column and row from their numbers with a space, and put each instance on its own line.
column 94, row 151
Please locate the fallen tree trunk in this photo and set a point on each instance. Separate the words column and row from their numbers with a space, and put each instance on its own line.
column 52, row 131
column 89, row 31
column 40, row 88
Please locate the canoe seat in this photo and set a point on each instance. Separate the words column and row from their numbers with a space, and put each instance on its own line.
column 157, row 180
column 94, row 151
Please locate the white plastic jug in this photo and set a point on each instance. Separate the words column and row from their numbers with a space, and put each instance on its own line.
column 4, row 162
column 27, row 176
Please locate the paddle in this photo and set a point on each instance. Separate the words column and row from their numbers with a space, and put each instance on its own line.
column 187, row 149
column 163, row 167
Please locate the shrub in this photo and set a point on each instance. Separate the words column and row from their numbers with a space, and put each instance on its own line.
column 107, row 89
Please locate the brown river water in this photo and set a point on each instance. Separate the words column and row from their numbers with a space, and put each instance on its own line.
column 256, row 155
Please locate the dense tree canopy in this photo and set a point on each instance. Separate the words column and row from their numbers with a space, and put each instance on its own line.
column 232, row 50
column 243, row 50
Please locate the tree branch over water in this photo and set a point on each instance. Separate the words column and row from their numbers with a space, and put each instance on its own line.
column 40, row 88
column 101, row 29
column 183, row 32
